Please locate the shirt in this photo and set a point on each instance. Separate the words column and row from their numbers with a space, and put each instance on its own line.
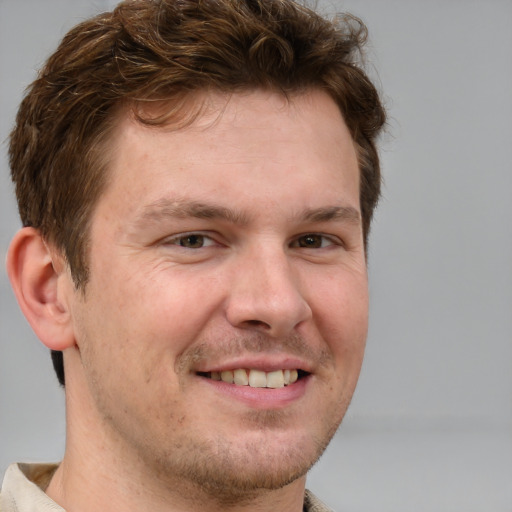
column 24, row 484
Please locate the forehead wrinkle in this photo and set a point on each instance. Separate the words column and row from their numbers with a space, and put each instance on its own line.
column 183, row 208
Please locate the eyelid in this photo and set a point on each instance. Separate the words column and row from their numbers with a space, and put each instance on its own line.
column 333, row 239
column 174, row 239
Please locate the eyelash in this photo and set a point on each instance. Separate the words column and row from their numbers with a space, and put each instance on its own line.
column 319, row 237
column 177, row 240
column 201, row 237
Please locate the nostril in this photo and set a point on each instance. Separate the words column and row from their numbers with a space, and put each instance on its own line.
column 257, row 323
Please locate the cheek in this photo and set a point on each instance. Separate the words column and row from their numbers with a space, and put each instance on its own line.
column 178, row 303
column 155, row 313
column 341, row 311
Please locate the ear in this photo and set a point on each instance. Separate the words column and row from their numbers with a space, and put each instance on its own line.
column 42, row 285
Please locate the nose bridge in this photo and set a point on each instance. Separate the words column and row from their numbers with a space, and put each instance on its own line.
column 266, row 292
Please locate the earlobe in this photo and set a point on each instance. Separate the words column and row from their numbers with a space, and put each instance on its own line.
column 40, row 283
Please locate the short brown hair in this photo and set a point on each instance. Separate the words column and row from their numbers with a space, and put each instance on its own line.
column 167, row 50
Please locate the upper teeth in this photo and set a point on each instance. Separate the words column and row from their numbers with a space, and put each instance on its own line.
column 257, row 378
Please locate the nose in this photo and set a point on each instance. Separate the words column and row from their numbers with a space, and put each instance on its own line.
column 266, row 295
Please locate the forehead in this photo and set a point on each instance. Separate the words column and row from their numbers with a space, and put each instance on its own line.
column 215, row 139
column 210, row 114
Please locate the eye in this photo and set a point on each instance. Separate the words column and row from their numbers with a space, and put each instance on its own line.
column 191, row 241
column 313, row 241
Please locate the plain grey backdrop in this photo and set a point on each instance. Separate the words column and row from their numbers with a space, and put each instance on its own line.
column 430, row 426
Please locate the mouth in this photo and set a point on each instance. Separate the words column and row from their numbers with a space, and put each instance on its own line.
column 257, row 378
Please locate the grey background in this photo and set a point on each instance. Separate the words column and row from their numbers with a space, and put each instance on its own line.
column 430, row 426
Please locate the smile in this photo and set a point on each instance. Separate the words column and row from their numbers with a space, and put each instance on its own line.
column 255, row 378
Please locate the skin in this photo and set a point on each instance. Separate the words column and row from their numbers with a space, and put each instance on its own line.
column 235, row 242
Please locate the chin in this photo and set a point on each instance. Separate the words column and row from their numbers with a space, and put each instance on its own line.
column 233, row 480
column 238, row 469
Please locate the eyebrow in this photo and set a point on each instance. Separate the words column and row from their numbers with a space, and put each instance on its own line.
column 182, row 208
column 164, row 208
column 329, row 213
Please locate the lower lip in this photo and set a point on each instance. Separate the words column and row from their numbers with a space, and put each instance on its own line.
column 261, row 398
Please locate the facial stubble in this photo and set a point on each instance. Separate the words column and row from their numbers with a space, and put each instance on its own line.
column 216, row 466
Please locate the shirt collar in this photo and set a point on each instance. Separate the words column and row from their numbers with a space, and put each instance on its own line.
column 22, row 489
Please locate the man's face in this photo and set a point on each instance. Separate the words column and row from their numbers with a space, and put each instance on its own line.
column 232, row 247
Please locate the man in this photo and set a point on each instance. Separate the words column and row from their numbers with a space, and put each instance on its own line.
column 196, row 182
